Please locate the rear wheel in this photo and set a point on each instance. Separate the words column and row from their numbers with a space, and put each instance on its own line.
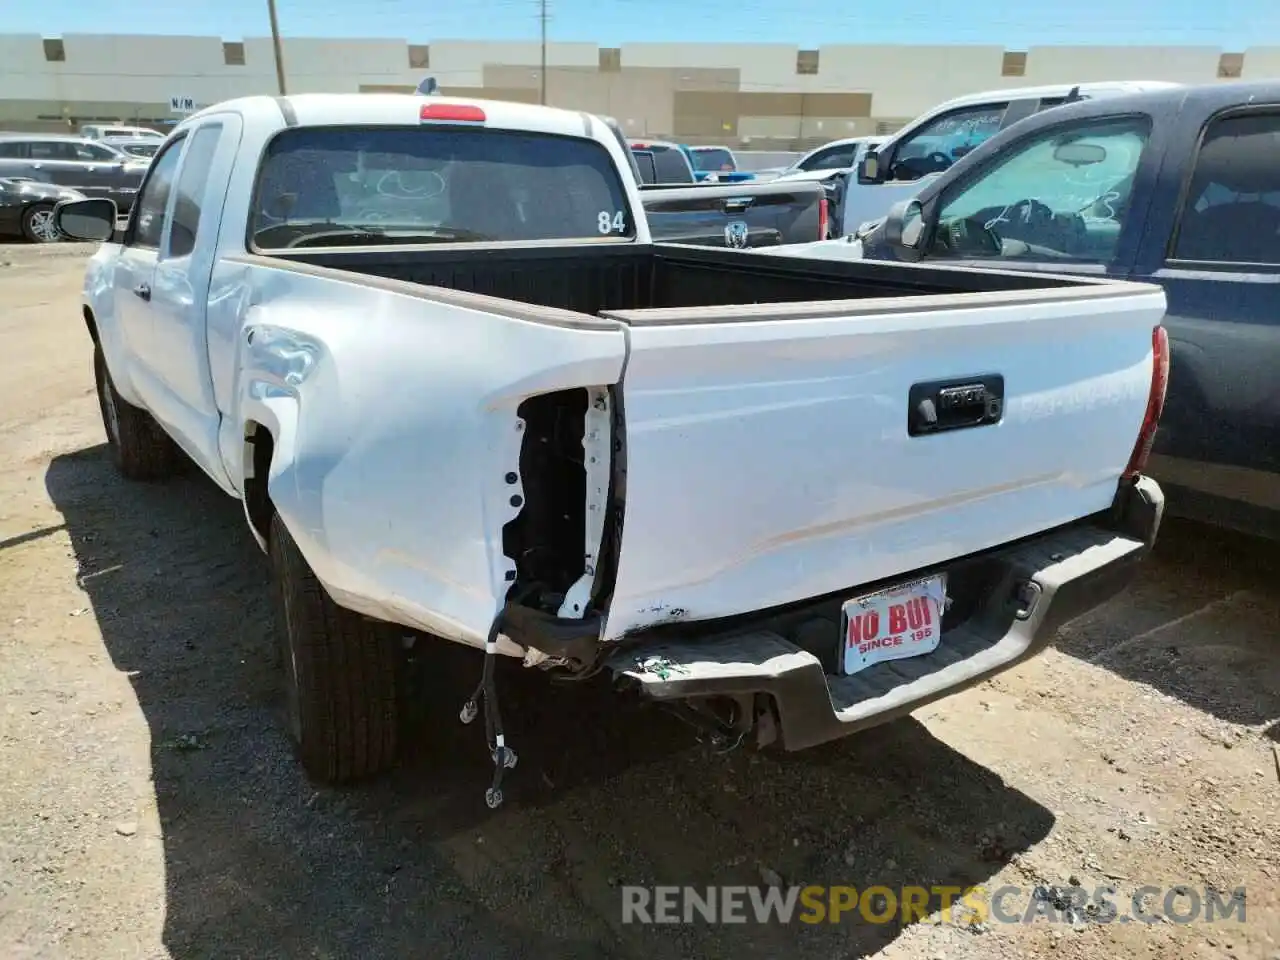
column 140, row 448
column 38, row 224
column 341, row 673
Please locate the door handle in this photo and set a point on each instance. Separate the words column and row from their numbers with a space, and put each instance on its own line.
column 941, row 405
column 737, row 205
column 143, row 291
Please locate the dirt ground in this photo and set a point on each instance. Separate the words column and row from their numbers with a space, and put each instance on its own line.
column 150, row 805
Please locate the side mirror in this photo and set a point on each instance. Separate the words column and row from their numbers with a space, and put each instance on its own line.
column 904, row 228
column 93, row 219
column 869, row 167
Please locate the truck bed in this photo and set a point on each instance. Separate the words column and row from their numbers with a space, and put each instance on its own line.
column 788, row 428
column 596, row 279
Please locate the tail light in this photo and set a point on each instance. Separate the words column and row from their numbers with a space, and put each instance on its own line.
column 1155, row 403
column 822, row 218
column 450, row 113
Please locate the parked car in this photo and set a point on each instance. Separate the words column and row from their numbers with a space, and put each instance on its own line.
column 94, row 131
column 1178, row 187
column 26, row 209
column 717, row 164
column 930, row 144
column 740, row 483
column 94, row 168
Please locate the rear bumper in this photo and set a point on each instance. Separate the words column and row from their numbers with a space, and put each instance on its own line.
column 1022, row 594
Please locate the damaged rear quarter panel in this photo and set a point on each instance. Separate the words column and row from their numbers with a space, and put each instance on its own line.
column 395, row 425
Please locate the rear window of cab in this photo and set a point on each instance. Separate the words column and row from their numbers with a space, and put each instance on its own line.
column 345, row 186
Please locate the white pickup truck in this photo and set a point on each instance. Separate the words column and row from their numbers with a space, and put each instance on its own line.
column 429, row 345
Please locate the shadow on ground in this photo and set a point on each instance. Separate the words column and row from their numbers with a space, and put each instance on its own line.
column 1199, row 625
column 607, row 792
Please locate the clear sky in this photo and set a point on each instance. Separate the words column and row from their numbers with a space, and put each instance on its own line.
column 1229, row 24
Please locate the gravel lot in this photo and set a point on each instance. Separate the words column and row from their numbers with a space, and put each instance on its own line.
column 150, row 806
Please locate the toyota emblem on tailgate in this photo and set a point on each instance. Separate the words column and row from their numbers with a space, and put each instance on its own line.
column 735, row 234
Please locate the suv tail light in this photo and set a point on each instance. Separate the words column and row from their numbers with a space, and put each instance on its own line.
column 1155, row 403
column 823, row 215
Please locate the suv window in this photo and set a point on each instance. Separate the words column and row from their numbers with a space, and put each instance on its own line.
column 13, row 148
column 1062, row 194
column 945, row 139
column 94, row 153
column 52, row 150
column 1232, row 212
column 191, row 183
column 344, row 185
column 148, row 224
column 714, row 159
column 832, row 158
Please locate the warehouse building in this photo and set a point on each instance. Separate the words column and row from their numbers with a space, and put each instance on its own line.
column 767, row 96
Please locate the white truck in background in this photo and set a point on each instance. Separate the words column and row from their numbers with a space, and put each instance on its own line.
column 828, row 160
column 930, row 144
column 430, row 347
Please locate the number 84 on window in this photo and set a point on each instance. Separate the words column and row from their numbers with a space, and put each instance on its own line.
column 611, row 223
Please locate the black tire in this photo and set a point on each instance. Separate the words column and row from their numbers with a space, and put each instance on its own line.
column 341, row 673
column 37, row 224
column 140, row 448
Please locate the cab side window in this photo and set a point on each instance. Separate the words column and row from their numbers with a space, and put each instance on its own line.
column 944, row 140
column 191, row 186
column 1232, row 207
column 833, row 158
column 153, row 200
column 1060, row 195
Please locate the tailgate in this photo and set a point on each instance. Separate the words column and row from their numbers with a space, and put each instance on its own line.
column 776, row 453
column 750, row 215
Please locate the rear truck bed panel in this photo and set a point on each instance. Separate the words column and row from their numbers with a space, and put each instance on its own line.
column 1007, row 605
column 399, row 424
column 772, row 460
column 484, row 445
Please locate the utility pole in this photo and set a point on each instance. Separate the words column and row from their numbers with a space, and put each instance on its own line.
column 542, row 74
column 275, row 44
